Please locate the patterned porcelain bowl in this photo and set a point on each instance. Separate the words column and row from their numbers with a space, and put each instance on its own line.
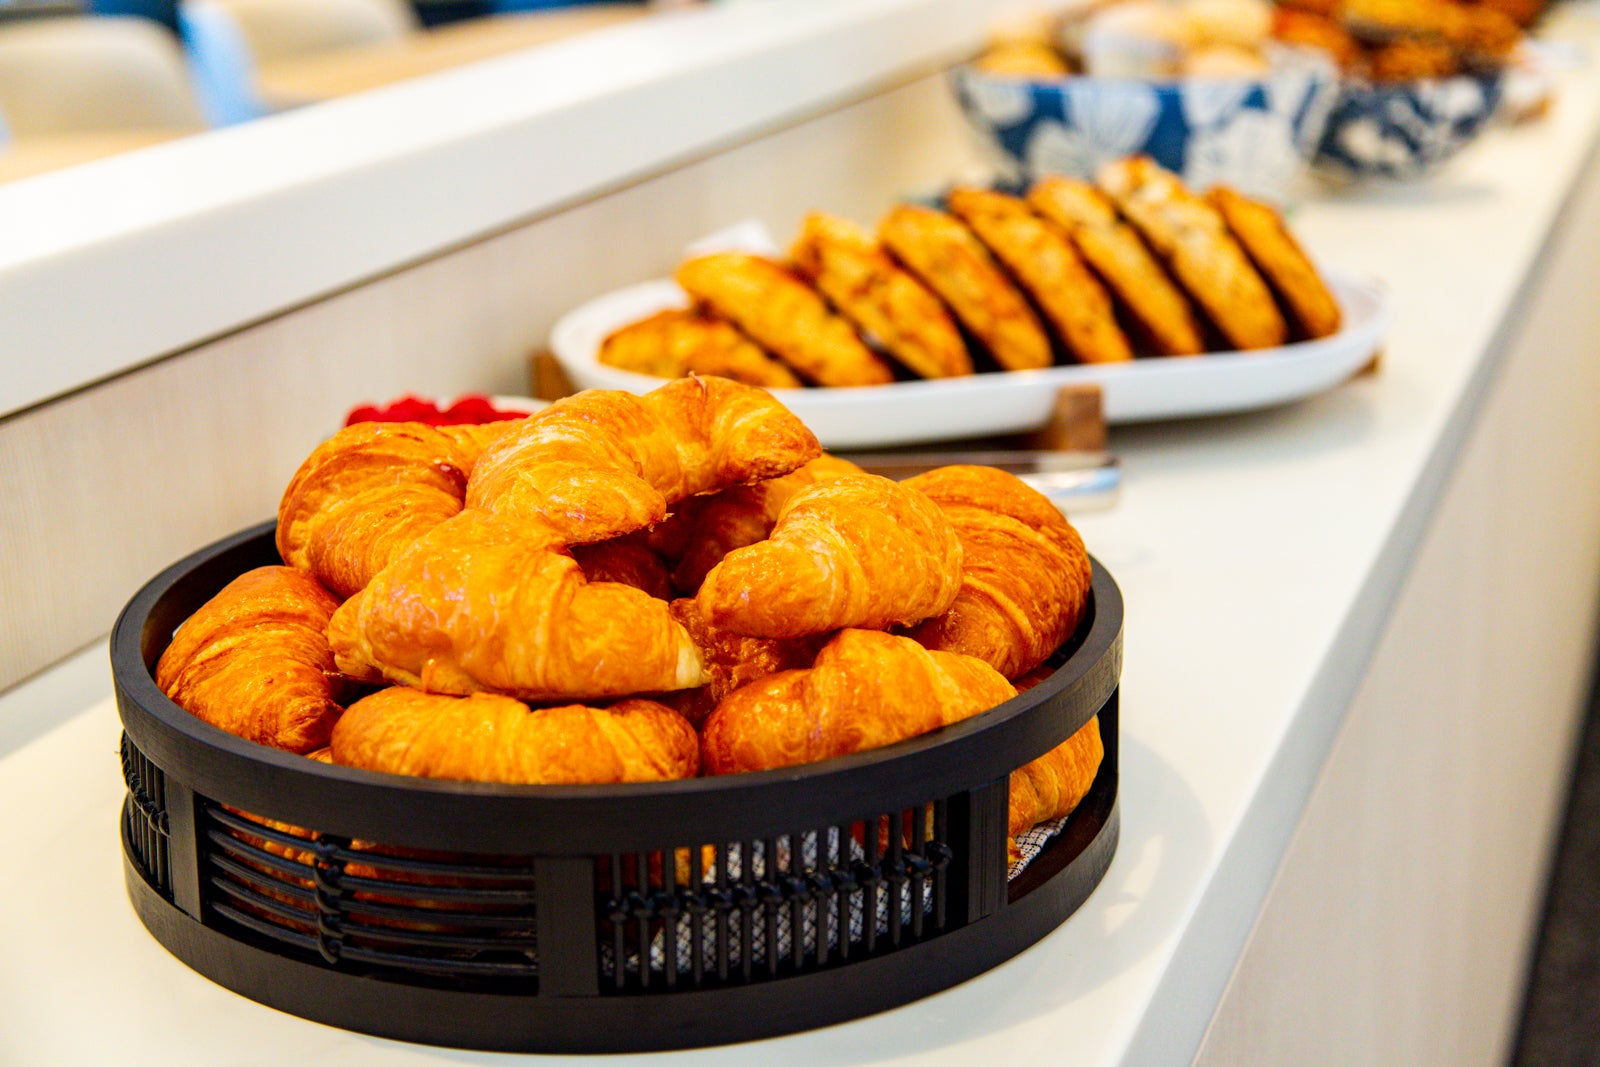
column 1257, row 135
column 1405, row 130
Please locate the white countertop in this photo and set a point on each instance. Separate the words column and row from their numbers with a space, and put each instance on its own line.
column 1257, row 555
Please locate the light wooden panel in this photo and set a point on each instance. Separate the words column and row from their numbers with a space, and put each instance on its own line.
column 100, row 490
column 1399, row 926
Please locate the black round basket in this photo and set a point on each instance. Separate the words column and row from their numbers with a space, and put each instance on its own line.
column 596, row 918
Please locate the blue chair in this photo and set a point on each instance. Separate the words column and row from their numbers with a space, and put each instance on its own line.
column 220, row 63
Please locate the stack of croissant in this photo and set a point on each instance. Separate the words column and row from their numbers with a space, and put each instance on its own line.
column 629, row 588
column 1072, row 272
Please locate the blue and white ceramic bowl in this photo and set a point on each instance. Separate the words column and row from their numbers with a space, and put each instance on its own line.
column 1257, row 135
column 1405, row 130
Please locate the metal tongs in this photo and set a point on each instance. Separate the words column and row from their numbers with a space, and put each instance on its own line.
column 1074, row 481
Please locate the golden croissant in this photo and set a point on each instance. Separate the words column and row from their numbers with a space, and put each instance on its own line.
column 1055, row 783
column 719, row 523
column 733, row 660
column 628, row 561
column 867, row 689
column 854, row 551
column 254, row 661
column 1025, row 574
column 478, row 605
column 490, row 738
column 364, row 495
column 602, row 463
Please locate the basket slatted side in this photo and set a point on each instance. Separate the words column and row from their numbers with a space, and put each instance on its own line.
column 768, row 908
column 144, row 818
column 370, row 908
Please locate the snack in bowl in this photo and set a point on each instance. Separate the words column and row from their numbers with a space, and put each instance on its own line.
column 1024, row 571
column 1420, row 79
column 497, row 658
column 1201, row 86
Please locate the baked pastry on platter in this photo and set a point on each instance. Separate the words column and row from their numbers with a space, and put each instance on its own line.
column 955, row 264
column 1043, row 262
column 785, row 315
column 1193, row 241
column 1067, row 271
column 885, row 301
column 1284, row 265
column 1115, row 250
column 678, row 342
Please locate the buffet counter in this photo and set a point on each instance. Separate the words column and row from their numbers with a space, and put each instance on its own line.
column 1357, row 640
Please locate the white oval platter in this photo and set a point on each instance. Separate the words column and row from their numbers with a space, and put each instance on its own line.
column 1014, row 401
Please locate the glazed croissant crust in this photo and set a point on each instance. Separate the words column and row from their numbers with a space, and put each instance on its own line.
column 366, row 494
column 489, row 738
column 1055, row 783
column 854, row 551
column 254, row 661
column 867, row 689
column 479, row 605
column 1025, row 573
column 717, row 524
column 733, row 660
column 628, row 561
column 602, row 463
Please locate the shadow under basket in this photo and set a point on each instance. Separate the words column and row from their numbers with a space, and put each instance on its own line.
column 596, row 918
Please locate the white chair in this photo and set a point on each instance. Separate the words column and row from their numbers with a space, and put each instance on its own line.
column 281, row 29
column 79, row 75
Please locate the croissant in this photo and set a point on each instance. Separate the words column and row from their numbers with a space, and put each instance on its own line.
column 489, row 738
column 364, row 495
column 254, row 661
column 602, row 463
column 733, row 660
column 628, row 562
column 1025, row 574
column 477, row 604
column 867, row 689
column 743, row 515
column 1055, row 783
column 854, row 551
